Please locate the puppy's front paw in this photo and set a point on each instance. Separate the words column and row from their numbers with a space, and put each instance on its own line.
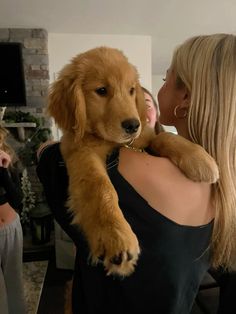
column 192, row 159
column 116, row 246
column 198, row 166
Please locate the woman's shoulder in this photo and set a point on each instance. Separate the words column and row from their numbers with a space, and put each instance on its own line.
column 166, row 188
column 49, row 148
column 163, row 171
column 154, row 169
column 49, row 159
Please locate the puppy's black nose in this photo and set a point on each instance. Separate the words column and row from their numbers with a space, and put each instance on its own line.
column 130, row 125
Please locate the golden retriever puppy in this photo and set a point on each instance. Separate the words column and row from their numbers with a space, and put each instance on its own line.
column 98, row 103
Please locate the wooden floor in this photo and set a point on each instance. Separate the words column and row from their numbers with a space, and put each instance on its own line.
column 52, row 296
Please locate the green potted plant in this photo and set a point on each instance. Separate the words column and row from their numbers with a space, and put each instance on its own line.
column 28, row 201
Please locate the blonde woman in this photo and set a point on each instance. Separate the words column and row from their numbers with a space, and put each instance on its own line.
column 11, row 241
column 199, row 99
column 202, row 78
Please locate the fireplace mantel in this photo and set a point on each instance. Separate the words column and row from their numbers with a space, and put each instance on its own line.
column 20, row 127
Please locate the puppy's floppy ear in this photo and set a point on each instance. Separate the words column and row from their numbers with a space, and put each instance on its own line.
column 80, row 113
column 141, row 104
column 66, row 103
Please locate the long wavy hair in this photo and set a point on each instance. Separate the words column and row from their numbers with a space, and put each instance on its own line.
column 5, row 146
column 206, row 65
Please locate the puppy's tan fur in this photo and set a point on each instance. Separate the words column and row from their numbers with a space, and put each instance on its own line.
column 92, row 125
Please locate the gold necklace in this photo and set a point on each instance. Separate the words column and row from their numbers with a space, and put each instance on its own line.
column 140, row 150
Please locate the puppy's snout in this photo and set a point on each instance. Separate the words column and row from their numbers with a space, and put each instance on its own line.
column 130, row 125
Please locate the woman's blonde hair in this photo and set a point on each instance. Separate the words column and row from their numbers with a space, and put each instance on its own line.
column 206, row 65
column 5, row 147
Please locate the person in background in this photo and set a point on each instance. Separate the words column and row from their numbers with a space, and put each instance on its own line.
column 11, row 240
column 152, row 111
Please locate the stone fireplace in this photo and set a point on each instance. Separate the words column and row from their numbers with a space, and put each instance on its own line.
column 35, row 61
column 36, row 71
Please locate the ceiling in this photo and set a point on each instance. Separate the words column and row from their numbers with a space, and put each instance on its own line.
column 168, row 22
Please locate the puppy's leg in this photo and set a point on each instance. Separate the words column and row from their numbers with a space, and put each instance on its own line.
column 191, row 158
column 94, row 203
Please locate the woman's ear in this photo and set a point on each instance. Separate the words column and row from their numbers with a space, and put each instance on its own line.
column 183, row 98
column 181, row 102
column 186, row 96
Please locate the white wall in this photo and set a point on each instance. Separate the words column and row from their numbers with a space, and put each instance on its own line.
column 62, row 47
column 157, row 82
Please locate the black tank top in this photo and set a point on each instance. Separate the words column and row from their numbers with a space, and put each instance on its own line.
column 173, row 260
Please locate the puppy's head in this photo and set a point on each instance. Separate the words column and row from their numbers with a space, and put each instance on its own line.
column 99, row 93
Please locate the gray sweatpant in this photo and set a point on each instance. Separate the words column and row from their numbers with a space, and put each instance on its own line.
column 11, row 277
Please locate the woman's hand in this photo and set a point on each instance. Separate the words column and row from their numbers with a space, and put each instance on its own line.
column 5, row 159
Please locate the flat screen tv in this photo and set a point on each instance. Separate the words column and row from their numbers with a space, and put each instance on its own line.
column 12, row 80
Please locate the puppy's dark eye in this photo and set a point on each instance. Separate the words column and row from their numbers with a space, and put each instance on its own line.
column 101, row 91
column 131, row 91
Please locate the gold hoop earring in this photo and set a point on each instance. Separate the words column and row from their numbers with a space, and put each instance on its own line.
column 178, row 110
